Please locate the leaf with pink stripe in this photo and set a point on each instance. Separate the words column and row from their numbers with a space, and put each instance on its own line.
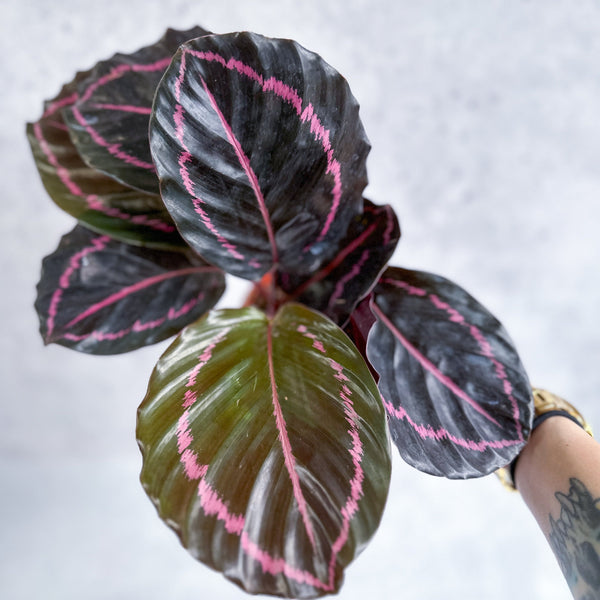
column 260, row 152
column 458, row 398
column 337, row 287
column 265, row 448
column 116, row 98
column 96, row 200
column 102, row 296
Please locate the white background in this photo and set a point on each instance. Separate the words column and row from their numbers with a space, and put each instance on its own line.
column 484, row 121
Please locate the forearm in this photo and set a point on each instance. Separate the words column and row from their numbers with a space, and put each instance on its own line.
column 558, row 476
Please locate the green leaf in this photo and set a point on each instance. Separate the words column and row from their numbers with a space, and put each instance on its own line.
column 95, row 199
column 265, row 448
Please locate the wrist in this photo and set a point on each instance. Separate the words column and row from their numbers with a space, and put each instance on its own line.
column 548, row 408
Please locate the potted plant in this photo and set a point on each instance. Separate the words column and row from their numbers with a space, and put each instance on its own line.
column 265, row 431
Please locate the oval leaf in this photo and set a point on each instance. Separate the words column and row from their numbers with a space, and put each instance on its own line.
column 265, row 448
column 337, row 287
column 260, row 152
column 101, row 296
column 115, row 98
column 96, row 200
column 458, row 397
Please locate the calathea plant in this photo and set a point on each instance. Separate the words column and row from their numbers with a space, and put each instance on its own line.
column 265, row 437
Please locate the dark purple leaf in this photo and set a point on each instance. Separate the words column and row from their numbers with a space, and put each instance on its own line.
column 260, row 152
column 458, row 397
column 265, row 447
column 349, row 276
column 109, row 121
column 358, row 327
column 98, row 201
column 102, row 296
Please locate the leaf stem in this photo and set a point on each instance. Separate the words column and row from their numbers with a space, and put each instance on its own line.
column 271, row 292
column 264, row 293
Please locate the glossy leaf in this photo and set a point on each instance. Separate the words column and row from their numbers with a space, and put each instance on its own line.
column 458, row 397
column 337, row 287
column 358, row 327
column 96, row 200
column 102, row 296
column 260, row 152
column 109, row 121
column 265, row 448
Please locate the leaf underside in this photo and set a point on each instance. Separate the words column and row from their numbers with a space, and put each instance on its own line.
column 116, row 97
column 458, row 398
column 101, row 296
column 265, row 448
column 260, row 152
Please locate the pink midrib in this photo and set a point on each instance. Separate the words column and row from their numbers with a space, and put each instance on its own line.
column 352, row 274
column 138, row 326
column 286, row 447
column 486, row 349
column 212, row 502
column 306, row 115
column 340, row 257
column 132, row 289
column 140, row 110
column 430, row 367
column 248, row 170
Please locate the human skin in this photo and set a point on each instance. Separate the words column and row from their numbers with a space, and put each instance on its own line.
column 558, row 476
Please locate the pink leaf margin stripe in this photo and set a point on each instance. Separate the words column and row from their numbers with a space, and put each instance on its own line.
column 184, row 157
column 215, row 505
column 290, row 96
column 284, row 440
column 430, row 367
column 426, row 432
column 136, row 287
column 92, row 201
column 98, row 244
column 250, row 174
column 112, row 75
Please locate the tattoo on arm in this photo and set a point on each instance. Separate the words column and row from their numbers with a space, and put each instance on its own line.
column 575, row 540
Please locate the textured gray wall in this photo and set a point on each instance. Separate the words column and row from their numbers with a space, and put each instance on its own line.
column 483, row 118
